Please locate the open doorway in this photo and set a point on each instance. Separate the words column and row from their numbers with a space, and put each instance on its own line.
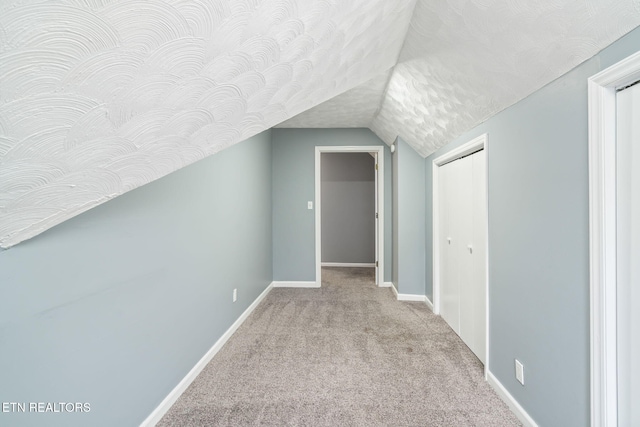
column 349, row 209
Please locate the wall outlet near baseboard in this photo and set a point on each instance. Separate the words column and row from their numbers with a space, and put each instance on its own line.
column 520, row 372
column 235, row 295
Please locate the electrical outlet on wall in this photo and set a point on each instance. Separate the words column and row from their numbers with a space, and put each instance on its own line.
column 520, row 372
column 235, row 295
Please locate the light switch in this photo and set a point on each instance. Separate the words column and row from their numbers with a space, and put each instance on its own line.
column 519, row 372
column 309, row 205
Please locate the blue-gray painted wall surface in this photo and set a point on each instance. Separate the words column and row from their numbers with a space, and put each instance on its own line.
column 410, row 225
column 428, row 229
column 116, row 305
column 293, row 186
column 539, row 242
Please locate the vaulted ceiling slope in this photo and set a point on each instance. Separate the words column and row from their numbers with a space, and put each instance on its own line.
column 465, row 60
column 98, row 97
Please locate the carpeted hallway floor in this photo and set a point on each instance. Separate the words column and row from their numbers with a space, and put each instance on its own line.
column 347, row 354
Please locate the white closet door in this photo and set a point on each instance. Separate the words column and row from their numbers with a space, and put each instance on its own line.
column 462, row 216
column 628, row 254
column 449, row 293
column 476, row 308
column 464, row 256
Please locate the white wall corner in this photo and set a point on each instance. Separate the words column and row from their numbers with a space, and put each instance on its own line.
column 511, row 402
column 428, row 302
column 173, row 396
column 394, row 289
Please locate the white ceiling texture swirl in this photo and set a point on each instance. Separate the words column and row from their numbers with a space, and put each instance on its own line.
column 465, row 60
column 98, row 97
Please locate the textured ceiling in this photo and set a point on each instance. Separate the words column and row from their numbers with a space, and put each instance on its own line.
column 465, row 60
column 354, row 108
column 99, row 97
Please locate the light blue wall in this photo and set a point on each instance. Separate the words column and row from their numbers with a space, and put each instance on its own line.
column 115, row 306
column 293, row 185
column 428, row 229
column 409, row 212
column 539, row 242
column 348, row 207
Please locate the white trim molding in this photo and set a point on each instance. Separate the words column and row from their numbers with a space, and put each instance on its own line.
column 511, row 402
column 379, row 151
column 295, row 284
column 476, row 144
column 387, row 285
column 177, row 391
column 412, row 297
column 602, row 235
column 394, row 289
column 349, row 264
column 428, row 302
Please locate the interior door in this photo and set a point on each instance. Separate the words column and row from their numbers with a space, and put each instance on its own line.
column 628, row 254
column 449, row 274
column 478, row 289
column 471, row 297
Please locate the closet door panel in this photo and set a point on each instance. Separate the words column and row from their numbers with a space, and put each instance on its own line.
column 462, row 216
column 449, row 301
column 477, row 310
column 465, row 254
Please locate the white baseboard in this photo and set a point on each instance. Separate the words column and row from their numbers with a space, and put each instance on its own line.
column 168, row 401
column 347, row 264
column 393, row 288
column 385, row 285
column 411, row 297
column 511, row 402
column 429, row 303
column 295, row 284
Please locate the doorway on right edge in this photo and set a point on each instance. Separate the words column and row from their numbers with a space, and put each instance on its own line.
column 628, row 253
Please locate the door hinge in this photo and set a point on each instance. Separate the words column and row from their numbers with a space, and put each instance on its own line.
column 376, row 215
column 376, row 166
column 376, row 263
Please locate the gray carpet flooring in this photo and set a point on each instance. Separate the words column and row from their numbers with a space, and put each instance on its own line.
column 346, row 354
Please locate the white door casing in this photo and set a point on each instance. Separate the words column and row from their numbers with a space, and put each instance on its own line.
column 602, row 235
column 378, row 152
column 628, row 254
column 376, row 204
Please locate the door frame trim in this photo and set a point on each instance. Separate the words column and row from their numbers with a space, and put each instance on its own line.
column 602, row 235
column 379, row 150
column 479, row 142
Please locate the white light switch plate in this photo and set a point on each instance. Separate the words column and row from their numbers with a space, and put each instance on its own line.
column 519, row 372
column 309, row 205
